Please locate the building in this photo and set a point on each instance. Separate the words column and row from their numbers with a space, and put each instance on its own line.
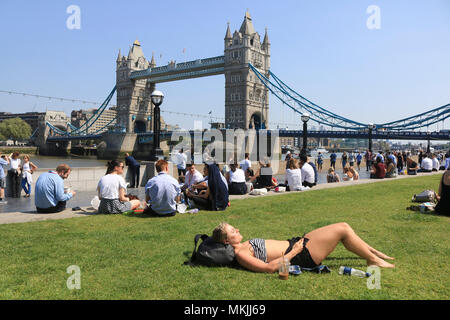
column 246, row 98
column 108, row 118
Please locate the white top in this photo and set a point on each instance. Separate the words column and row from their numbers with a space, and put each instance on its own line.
column 294, row 179
column 26, row 172
column 14, row 163
column 238, row 176
column 245, row 164
column 109, row 186
column 307, row 173
column 181, row 160
column 191, row 179
column 436, row 164
column 427, row 164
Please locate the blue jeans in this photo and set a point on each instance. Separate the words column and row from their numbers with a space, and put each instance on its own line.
column 26, row 186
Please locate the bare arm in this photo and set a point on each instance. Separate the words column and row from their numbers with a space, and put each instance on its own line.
column 122, row 196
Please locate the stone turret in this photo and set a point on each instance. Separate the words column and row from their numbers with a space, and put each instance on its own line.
column 246, row 98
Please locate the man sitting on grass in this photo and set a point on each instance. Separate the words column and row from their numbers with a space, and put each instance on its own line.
column 50, row 196
column 162, row 192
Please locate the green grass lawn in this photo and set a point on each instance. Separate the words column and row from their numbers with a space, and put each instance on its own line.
column 132, row 257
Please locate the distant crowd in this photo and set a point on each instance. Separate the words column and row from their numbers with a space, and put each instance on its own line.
column 208, row 190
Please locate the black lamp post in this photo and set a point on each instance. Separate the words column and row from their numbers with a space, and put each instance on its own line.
column 371, row 127
column 305, row 118
column 157, row 99
column 428, row 138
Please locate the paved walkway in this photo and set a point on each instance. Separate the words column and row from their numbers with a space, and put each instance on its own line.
column 25, row 207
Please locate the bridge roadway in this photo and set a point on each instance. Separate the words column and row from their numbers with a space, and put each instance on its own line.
column 147, row 137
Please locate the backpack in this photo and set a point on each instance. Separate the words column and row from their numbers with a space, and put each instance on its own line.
column 424, row 196
column 211, row 253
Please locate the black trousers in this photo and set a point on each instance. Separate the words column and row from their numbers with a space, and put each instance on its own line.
column 60, row 206
column 135, row 174
column 14, row 182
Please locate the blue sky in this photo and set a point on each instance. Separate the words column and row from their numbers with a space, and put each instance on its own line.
column 323, row 49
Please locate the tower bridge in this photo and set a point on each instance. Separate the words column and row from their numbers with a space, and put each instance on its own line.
column 245, row 65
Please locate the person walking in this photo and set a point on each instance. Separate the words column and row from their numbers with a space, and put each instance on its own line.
column 181, row 163
column 368, row 158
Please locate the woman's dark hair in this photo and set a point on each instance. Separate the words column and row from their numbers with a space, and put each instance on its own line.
column 111, row 165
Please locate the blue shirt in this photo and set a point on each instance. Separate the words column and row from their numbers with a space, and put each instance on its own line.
column 130, row 161
column 162, row 190
column 50, row 190
column 333, row 157
column 2, row 172
column 359, row 157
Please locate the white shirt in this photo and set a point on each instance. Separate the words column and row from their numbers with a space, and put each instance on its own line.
column 427, row 164
column 245, row 164
column 191, row 179
column 238, row 176
column 181, row 160
column 307, row 173
column 294, row 179
column 109, row 186
column 14, row 163
column 436, row 164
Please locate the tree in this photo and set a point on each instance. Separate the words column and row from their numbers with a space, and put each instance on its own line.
column 15, row 129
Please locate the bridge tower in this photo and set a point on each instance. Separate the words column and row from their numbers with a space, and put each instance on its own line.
column 246, row 98
column 134, row 105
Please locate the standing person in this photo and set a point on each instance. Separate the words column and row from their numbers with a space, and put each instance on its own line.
column 135, row 170
column 181, row 163
column 28, row 168
column 368, row 158
column 344, row 160
column 246, row 163
column 112, row 190
column 319, row 162
column 287, row 158
column 399, row 163
column 4, row 161
column 358, row 160
column 351, row 159
column 162, row 192
column 49, row 195
column 14, row 175
column 333, row 158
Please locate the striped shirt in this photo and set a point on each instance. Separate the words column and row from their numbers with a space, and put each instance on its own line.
column 259, row 248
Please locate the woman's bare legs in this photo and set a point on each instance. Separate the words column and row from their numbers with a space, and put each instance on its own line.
column 324, row 240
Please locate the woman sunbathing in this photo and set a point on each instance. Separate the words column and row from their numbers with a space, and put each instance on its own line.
column 308, row 252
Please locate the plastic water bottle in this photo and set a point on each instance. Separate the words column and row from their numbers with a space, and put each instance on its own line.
column 353, row 272
column 193, row 210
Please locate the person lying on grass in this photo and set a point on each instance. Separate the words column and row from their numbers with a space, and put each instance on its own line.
column 309, row 251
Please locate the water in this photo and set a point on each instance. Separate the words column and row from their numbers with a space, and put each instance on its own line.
column 74, row 162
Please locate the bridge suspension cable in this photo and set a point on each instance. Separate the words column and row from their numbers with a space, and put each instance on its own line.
column 300, row 104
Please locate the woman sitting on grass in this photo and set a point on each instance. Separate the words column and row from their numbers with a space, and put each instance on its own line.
column 112, row 189
column 261, row 255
